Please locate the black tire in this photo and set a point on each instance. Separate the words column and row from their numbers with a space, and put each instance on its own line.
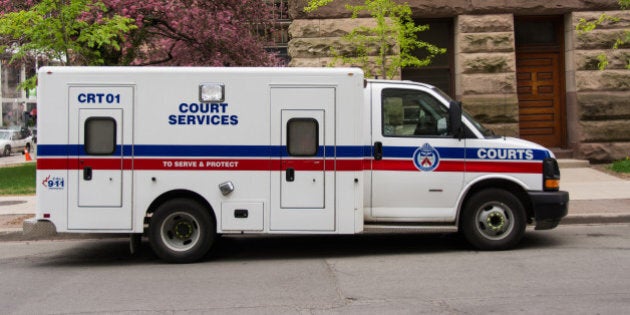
column 181, row 231
column 6, row 151
column 493, row 219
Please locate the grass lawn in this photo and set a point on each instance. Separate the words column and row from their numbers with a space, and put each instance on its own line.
column 17, row 180
column 622, row 166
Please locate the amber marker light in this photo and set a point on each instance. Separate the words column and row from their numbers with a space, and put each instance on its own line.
column 552, row 184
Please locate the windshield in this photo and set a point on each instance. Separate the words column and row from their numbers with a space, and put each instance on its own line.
column 483, row 130
column 5, row 135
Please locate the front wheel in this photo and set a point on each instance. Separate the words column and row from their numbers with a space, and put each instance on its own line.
column 181, row 231
column 493, row 219
column 6, row 151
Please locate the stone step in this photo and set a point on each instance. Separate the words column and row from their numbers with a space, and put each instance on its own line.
column 573, row 163
column 562, row 153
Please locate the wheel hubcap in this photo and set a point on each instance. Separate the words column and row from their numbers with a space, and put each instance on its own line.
column 183, row 230
column 180, row 231
column 494, row 220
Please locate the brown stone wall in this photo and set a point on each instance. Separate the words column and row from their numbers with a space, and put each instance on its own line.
column 312, row 40
column 452, row 8
column 602, row 96
column 597, row 102
column 485, row 70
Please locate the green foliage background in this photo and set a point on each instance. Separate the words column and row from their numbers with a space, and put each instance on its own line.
column 70, row 32
column 395, row 31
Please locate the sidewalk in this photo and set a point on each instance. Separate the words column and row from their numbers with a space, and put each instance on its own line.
column 595, row 197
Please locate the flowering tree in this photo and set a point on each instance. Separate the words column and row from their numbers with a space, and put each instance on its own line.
column 131, row 32
column 194, row 32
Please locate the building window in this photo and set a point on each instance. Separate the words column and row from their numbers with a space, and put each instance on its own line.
column 440, row 72
column 100, row 136
column 276, row 33
column 532, row 33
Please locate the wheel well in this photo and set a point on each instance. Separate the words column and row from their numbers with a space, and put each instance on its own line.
column 504, row 184
column 173, row 194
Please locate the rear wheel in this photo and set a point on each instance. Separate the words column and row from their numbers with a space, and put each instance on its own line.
column 6, row 151
column 181, row 231
column 493, row 219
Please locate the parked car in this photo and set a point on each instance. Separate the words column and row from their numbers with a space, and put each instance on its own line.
column 15, row 141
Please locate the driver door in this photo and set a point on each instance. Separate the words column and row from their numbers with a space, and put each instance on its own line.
column 420, row 171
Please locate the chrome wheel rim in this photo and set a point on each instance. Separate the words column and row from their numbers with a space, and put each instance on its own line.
column 495, row 220
column 180, row 231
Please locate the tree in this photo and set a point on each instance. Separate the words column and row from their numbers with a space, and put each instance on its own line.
column 585, row 26
column 394, row 30
column 131, row 32
column 192, row 32
column 67, row 31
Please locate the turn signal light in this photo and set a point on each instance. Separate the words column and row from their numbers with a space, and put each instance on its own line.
column 552, row 184
column 551, row 174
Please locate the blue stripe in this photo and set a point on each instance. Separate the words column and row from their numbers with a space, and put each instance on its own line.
column 73, row 150
column 463, row 153
column 407, row 152
column 204, row 150
column 270, row 151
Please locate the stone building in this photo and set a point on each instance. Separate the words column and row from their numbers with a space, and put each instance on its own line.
column 520, row 67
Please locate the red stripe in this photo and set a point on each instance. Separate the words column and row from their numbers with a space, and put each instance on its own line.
column 504, row 167
column 201, row 164
column 350, row 165
column 276, row 165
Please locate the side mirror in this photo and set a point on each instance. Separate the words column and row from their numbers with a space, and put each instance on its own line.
column 455, row 118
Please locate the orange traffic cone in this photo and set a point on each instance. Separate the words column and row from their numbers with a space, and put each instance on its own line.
column 27, row 156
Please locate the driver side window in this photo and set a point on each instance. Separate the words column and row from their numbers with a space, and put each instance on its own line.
column 410, row 113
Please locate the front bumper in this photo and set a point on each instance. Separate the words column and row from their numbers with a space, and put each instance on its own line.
column 549, row 207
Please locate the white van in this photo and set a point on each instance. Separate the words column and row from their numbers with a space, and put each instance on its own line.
column 185, row 154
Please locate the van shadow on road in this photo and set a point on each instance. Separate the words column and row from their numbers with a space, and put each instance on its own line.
column 109, row 252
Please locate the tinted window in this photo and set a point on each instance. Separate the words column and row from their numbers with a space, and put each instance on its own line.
column 410, row 113
column 302, row 136
column 100, row 136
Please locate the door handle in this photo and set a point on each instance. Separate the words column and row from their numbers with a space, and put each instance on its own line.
column 378, row 150
column 87, row 173
column 290, row 175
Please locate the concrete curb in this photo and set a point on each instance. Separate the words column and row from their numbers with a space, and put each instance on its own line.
column 595, row 219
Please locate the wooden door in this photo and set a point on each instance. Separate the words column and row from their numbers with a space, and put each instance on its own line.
column 540, row 98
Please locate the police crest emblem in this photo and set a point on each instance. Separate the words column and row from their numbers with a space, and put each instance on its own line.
column 426, row 158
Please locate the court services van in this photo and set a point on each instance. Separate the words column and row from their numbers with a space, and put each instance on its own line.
column 183, row 155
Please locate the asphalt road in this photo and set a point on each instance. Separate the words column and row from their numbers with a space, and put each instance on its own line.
column 571, row 270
